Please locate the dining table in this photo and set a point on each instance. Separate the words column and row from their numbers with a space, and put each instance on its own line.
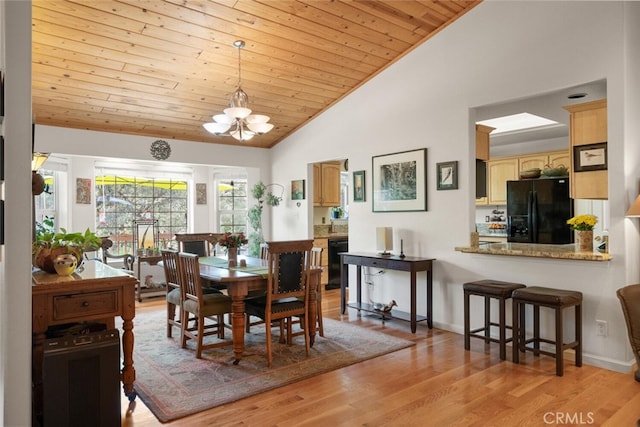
column 249, row 274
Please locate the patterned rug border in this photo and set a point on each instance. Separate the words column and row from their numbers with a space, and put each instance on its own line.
column 169, row 378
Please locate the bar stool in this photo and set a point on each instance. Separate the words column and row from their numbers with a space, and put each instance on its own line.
column 488, row 289
column 558, row 300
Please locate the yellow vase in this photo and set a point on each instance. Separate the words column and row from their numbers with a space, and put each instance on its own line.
column 584, row 240
column 65, row 264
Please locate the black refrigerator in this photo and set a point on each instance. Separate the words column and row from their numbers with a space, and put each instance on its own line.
column 538, row 210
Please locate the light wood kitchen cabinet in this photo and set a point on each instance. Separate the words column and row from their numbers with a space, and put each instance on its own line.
column 482, row 141
column 588, row 125
column 324, row 259
column 551, row 159
column 537, row 161
column 560, row 158
column 499, row 172
column 326, row 184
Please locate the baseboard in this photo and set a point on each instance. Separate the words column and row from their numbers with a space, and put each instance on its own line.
column 624, row 367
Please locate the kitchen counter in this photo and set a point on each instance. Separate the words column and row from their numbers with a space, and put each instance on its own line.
column 331, row 236
column 535, row 250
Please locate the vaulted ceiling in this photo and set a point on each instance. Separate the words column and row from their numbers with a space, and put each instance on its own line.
column 162, row 68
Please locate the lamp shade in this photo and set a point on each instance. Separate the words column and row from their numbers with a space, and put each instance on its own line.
column 37, row 160
column 384, row 239
column 634, row 210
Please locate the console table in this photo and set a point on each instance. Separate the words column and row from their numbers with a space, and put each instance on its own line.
column 94, row 292
column 394, row 262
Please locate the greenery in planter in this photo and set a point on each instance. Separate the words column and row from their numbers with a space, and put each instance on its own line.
column 49, row 244
column 254, row 214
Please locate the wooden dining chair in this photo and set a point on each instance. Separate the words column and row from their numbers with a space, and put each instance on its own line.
column 208, row 309
column 201, row 244
column 316, row 263
column 264, row 250
column 287, row 288
column 174, row 297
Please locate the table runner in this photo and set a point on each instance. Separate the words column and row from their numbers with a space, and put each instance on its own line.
column 223, row 263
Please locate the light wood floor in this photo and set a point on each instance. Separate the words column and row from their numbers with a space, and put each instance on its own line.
column 434, row 383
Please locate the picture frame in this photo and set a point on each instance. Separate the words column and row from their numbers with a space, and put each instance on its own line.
column 590, row 157
column 146, row 234
column 447, row 175
column 201, row 193
column 359, row 186
column 297, row 189
column 83, row 191
column 399, row 181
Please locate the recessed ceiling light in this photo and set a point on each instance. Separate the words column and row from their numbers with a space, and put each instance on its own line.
column 516, row 122
column 577, row 95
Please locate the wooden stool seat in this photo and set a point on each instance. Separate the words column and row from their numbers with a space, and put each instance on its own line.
column 488, row 289
column 558, row 300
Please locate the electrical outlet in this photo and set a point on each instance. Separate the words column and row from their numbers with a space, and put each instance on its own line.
column 601, row 328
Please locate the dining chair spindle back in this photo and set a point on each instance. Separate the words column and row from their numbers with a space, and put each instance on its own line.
column 208, row 309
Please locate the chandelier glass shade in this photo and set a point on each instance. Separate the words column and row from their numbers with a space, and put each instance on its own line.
column 237, row 120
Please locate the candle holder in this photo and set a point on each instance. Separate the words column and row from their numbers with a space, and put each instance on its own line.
column 402, row 255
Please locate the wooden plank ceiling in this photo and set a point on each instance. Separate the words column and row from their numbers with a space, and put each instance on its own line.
column 162, row 68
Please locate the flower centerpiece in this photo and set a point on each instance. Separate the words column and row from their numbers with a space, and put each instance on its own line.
column 583, row 227
column 232, row 241
column 583, row 222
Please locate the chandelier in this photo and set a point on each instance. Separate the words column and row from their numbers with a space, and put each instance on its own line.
column 237, row 120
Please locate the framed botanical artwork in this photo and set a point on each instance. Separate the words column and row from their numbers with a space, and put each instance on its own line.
column 146, row 233
column 399, row 182
column 297, row 189
column 590, row 157
column 358, row 186
column 447, row 175
column 83, row 191
column 201, row 193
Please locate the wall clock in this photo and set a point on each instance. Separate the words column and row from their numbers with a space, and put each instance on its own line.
column 160, row 150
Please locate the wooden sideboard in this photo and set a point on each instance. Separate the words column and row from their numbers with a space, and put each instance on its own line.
column 95, row 292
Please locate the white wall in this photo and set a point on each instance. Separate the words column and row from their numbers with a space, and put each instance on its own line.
column 497, row 52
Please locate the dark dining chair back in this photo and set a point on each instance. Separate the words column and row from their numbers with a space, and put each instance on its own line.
column 201, row 244
column 287, row 289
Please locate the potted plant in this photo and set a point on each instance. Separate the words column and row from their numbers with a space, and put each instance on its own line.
column 49, row 244
column 254, row 214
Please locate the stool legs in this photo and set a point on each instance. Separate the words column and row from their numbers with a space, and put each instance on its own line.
column 519, row 334
column 502, row 327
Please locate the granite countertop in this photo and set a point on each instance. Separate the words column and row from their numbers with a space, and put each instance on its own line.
column 329, row 235
column 534, row 250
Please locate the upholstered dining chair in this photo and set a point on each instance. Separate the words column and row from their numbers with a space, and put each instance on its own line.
column 209, row 308
column 629, row 297
column 287, row 288
column 201, row 244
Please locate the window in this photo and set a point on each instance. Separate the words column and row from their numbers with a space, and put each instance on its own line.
column 121, row 199
column 232, row 205
column 45, row 203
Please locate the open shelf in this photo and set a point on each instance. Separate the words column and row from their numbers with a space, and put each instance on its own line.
column 393, row 314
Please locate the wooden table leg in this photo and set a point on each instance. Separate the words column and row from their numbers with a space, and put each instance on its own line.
column 238, row 291
column 128, row 371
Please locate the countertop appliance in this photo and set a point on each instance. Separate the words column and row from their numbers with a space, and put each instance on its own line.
column 538, row 210
column 335, row 247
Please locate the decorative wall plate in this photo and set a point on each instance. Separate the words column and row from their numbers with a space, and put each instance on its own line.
column 160, row 150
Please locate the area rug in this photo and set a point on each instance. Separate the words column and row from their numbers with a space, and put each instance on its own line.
column 174, row 384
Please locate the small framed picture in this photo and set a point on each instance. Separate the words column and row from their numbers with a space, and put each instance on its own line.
column 201, row 193
column 591, row 157
column 83, row 191
column 447, row 175
column 358, row 186
column 297, row 189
